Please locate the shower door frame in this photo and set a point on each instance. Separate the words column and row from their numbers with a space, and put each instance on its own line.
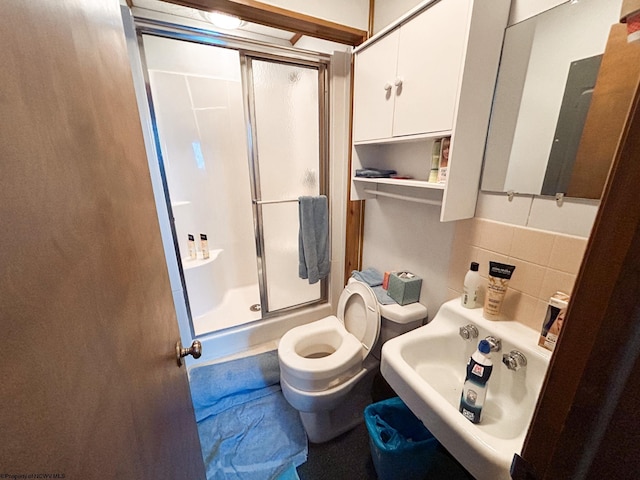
column 246, row 60
column 247, row 49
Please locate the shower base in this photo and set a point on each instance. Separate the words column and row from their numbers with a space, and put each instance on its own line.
column 234, row 310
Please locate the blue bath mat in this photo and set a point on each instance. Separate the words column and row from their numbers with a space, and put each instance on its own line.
column 247, row 429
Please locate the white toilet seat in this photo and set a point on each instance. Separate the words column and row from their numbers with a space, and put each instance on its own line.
column 327, row 352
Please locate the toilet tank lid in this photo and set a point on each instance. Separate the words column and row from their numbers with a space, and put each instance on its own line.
column 403, row 313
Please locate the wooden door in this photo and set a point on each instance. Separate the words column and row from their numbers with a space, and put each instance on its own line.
column 430, row 59
column 375, row 69
column 90, row 384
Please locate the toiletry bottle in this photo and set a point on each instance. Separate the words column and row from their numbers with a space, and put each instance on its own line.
column 474, row 390
column 192, row 246
column 204, row 245
column 435, row 161
column 471, row 286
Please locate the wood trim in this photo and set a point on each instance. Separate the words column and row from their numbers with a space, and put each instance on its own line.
column 567, row 432
column 295, row 39
column 354, row 237
column 372, row 16
column 354, row 231
column 271, row 16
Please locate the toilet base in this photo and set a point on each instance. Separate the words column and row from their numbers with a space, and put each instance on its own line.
column 325, row 425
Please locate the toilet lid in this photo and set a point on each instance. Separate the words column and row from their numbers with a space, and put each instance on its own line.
column 358, row 310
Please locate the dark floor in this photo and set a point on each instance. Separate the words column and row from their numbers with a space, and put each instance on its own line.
column 349, row 457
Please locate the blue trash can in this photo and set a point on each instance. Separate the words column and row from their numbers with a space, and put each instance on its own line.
column 401, row 446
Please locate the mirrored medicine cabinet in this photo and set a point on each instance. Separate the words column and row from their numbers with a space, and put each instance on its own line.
column 547, row 73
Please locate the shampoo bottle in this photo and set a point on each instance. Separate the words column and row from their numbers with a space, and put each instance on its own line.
column 191, row 241
column 474, row 390
column 471, row 286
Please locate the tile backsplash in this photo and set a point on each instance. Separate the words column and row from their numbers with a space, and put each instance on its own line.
column 545, row 262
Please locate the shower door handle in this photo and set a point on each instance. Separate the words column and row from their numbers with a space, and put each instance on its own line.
column 195, row 350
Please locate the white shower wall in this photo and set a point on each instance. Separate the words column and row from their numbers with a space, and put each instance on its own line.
column 207, row 152
column 198, row 99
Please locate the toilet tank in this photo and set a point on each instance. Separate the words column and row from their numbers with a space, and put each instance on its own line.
column 397, row 319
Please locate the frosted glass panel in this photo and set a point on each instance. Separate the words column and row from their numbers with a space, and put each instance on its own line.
column 287, row 136
column 198, row 104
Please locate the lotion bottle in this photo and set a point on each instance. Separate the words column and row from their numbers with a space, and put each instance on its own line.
column 471, row 287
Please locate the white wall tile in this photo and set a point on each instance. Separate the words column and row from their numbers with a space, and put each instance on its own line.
column 496, row 206
column 574, row 217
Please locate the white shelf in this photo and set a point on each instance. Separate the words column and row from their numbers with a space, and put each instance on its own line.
column 407, row 198
column 401, row 182
column 404, row 139
column 189, row 263
column 388, row 130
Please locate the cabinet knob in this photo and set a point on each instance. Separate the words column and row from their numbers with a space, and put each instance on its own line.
column 398, row 82
column 387, row 86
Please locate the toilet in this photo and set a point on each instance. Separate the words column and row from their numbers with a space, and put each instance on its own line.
column 327, row 367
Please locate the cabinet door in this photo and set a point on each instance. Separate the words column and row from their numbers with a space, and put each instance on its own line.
column 375, row 68
column 430, row 57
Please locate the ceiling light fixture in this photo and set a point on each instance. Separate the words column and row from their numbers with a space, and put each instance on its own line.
column 224, row 21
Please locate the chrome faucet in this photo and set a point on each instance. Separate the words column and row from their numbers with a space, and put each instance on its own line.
column 514, row 360
column 495, row 343
column 469, row 332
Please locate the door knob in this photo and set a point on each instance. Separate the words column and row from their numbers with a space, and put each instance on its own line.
column 195, row 350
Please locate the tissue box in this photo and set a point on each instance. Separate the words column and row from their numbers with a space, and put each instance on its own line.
column 404, row 287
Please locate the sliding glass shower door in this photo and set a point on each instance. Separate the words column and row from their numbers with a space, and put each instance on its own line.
column 241, row 136
column 286, row 112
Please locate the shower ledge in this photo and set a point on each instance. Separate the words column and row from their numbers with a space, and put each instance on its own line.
column 188, row 263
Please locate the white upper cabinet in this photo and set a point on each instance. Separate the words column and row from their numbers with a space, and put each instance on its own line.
column 374, row 89
column 428, row 76
column 429, row 64
column 407, row 82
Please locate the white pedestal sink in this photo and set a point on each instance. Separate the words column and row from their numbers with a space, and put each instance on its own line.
column 426, row 367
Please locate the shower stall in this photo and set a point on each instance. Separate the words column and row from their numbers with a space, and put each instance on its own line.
column 241, row 131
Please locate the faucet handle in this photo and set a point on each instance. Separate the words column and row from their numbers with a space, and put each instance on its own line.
column 469, row 332
column 514, row 360
column 495, row 343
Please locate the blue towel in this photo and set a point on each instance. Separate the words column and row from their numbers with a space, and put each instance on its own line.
column 313, row 238
column 374, row 279
column 247, row 429
column 370, row 276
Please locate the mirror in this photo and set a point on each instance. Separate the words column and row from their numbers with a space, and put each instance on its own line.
column 547, row 72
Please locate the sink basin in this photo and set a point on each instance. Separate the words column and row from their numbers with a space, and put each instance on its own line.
column 426, row 367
